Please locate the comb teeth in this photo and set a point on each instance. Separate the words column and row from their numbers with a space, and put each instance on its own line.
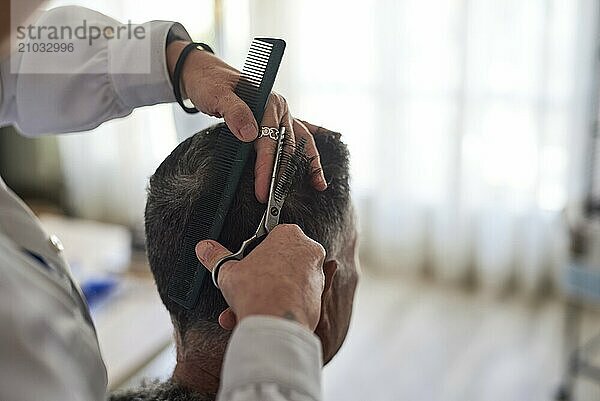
column 290, row 163
column 262, row 61
column 181, row 285
column 248, row 87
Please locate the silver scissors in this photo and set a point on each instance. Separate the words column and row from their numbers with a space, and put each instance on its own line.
column 269, row 219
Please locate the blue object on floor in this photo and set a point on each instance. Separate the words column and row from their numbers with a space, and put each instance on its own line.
column 96, row 290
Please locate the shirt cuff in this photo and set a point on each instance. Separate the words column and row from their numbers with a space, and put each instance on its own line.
column 266, row 349
column 153, row 87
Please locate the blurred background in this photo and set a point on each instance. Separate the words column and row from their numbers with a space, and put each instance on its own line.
column 471, row 126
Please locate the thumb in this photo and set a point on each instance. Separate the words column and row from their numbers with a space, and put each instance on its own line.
column 209, row 252
column 239, row 118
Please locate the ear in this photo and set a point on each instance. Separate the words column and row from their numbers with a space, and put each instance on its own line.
column 329, row 268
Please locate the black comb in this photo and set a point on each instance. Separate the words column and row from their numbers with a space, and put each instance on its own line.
column 209, row 210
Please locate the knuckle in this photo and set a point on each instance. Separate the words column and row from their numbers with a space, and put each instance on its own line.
column 312, row 145
column 282, row 101
column 280, row 228
column 317, row 171
column 272, row 101
column 319, row 250
column 293, row 227
column 237, row 110
column 218, row 106
column 222, row 95
column 315, row 158
column 288, row 229
column 295, row 230
column 278, row 101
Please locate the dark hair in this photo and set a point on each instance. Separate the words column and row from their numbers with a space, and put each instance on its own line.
column 177, row 182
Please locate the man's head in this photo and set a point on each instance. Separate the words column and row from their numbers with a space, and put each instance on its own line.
column 326, row 217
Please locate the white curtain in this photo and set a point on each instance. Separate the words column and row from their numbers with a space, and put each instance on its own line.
column 465, row 119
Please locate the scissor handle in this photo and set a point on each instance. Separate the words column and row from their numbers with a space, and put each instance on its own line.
column 245, row 249
column 219, row 264
column 253, row 243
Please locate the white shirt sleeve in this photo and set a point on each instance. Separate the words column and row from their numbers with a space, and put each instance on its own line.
column 48, row 346
column 271, row 359
column 53, row 103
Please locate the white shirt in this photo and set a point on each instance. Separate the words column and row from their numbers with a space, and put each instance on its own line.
column 48, row 344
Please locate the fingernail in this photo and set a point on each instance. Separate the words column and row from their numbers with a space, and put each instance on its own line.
column 204, row 250
column 249, row 132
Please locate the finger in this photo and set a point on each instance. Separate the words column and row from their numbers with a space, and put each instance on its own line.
column 238, row 117
column 209, row 252
column 265, row 154
column 317, row 130
column 276, row 115
column 312, row 153
column 227, row 319
column 313, row 129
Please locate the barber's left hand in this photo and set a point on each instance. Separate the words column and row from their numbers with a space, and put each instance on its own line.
column 210, row 84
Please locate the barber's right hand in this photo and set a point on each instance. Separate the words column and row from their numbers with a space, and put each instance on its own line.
column 281, row 277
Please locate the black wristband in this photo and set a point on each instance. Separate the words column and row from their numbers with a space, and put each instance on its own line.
column 179, row 68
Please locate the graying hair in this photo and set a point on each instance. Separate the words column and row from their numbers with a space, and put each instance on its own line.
column 178, row 181
column 157, row 391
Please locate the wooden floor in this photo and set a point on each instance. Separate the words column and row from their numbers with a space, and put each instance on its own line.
column 421, row 342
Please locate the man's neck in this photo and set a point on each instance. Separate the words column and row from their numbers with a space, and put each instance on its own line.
column 199, row 362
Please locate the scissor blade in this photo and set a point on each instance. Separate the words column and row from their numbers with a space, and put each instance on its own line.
column 277, row 198
column 271, row 218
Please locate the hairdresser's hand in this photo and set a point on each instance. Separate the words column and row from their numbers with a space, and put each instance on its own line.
column 210, row 83
column 281, row 277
